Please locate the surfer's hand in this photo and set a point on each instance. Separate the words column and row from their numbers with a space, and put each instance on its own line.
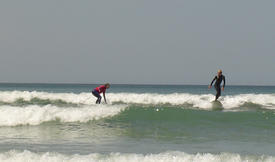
column 209, row 87
column 222, row 88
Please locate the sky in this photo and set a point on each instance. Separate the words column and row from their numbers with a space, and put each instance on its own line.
column 137, row 41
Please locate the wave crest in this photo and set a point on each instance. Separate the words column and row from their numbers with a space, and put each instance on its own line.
column 202, row 101
column 199, row 101
column 35, row 115
column 120, row 157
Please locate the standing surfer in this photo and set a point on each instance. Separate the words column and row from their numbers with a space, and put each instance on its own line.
column 101, row 89
column 219, row 78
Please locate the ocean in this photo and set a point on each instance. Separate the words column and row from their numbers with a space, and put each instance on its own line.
column 140, row 123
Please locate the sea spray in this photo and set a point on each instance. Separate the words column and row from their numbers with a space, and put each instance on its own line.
column 202, row 101
column 35, row 115
column 15, row 156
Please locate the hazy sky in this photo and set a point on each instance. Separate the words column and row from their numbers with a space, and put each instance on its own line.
column 137, row 41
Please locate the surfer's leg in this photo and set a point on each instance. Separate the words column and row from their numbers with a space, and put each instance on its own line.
column 218, row 89
column 96, row 94
column 98, row 100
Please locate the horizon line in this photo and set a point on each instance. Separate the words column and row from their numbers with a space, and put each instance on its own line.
column 168, row 84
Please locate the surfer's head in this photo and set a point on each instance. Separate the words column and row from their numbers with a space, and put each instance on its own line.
column 107, row 85
column 219, row 72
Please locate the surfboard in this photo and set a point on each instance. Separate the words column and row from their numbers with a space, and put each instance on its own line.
column 217, row 105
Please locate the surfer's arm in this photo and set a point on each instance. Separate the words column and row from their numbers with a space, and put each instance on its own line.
column 223, row 82
column 212, row 82
column 104, row 97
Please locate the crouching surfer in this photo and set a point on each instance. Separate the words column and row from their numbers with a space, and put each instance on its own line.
column 101, row 89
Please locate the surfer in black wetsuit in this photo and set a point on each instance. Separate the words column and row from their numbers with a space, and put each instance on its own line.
column 219, row 78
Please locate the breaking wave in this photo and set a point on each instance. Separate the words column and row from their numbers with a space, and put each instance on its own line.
column 35, row 115
column 203, row 101
column 17, row 156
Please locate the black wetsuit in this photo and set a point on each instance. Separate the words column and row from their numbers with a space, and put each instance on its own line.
column 218, row 84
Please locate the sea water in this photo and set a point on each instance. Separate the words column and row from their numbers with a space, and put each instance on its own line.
column 61, row 122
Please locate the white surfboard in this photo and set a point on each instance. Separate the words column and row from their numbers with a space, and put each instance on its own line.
column 217, row 105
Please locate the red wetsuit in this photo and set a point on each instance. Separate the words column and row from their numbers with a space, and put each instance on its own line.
column 96, row 92
column 101, row 89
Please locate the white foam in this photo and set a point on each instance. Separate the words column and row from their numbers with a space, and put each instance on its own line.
column 17, row 156
column 265, row 100
column 200, row 101
column 35, row 115
column 12, row 96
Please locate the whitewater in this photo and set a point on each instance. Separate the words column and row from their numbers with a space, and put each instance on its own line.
column 56, row 122
column 14, row 156
column 202, row 101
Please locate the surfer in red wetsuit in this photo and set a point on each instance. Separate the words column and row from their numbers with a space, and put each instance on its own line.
column 101, row 89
